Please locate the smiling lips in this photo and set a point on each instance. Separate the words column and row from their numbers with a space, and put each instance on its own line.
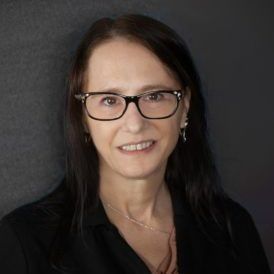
column 139, row 146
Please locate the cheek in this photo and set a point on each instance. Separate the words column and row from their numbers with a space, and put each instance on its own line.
column 173, row 136
column 100, row 134
column 170, row 133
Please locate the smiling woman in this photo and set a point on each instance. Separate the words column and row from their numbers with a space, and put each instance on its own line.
column 141, row 192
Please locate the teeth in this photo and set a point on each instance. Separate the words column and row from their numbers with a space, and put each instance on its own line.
column 137, row 146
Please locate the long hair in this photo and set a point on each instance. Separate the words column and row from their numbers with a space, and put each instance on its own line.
column 190, row 167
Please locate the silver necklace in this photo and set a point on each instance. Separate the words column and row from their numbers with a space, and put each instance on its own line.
column 134, row 220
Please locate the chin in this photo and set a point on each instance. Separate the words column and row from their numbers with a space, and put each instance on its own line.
column 138, row 174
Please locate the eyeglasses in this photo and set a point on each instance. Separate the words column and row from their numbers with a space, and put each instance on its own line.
column 108, row 106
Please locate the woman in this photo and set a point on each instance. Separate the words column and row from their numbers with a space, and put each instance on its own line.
column 141, row 192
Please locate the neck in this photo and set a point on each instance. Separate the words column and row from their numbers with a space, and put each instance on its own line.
column 143, row 199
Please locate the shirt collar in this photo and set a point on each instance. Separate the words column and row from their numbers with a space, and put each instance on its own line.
column 97, row 217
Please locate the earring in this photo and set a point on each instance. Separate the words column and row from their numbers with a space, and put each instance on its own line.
column 87, row 137
column 183, row 131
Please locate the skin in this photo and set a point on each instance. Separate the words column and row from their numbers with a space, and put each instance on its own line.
column 134, row 184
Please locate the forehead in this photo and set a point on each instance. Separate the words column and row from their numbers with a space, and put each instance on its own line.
column 126, row 65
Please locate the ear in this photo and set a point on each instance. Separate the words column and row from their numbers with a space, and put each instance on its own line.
column 185, row 103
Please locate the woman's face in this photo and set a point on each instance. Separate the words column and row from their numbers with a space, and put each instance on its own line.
column 127, row 67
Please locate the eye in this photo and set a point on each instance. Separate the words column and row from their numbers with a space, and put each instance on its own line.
column 154, row 97
column 110, row 100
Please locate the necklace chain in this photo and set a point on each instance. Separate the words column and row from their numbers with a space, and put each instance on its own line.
column 134, row 220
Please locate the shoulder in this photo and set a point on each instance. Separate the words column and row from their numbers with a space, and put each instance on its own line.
column 241, row 222
column 246, row 238
column 12, row 237
column 24, row 215
column 41, row 216
column 21, row 215
column 26, row 235
column 11, row 252
column 237, row 211
column 25, row 222
column 241, row 219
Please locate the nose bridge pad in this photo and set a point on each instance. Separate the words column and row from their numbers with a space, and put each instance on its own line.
column 134, row 122
column 134, row 100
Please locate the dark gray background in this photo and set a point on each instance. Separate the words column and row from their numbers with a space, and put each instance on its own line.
column 232, row 43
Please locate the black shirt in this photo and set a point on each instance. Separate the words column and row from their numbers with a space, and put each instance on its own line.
column 25, row 244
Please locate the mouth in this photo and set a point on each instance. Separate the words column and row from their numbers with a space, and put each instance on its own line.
column 143, row 146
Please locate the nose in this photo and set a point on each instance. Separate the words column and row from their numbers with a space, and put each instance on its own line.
column 133, row 121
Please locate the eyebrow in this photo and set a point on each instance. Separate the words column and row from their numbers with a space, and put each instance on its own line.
column 142, row 89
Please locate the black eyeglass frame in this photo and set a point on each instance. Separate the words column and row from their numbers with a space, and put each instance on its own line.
column 82, row 96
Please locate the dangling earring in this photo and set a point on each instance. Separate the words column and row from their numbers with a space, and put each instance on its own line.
column 87, row 137
column 183, row 131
